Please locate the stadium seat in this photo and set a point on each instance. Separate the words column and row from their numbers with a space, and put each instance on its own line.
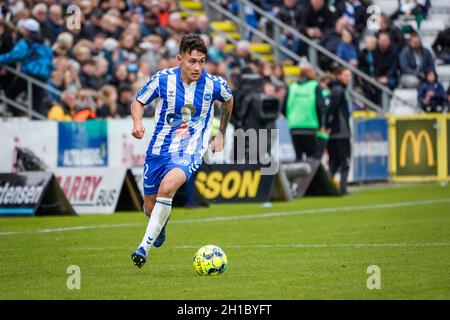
column 443, row 72
column 388, row 6
column 225, row 26
column 432, row 27
column 440, row 6
column 404, row 101
column 428, row 40
column 191, row 5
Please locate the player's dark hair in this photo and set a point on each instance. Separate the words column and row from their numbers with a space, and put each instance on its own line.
column 191, row 42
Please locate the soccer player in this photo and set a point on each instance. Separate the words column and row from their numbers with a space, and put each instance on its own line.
column 183, row 124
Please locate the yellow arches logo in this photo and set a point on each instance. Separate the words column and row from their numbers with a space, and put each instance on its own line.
column 416, row 141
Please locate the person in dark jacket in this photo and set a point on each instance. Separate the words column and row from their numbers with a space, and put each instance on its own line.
column 36, row 61
column 386, row 61
column 6, row 44
column 291, row 14
column 415, row 61
column 431, row 94
column 338, row 124
column 441, row 46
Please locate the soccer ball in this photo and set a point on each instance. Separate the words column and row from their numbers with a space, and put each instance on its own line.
column 210, row 260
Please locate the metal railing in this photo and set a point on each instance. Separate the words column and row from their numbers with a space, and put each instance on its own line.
column 28, row 108
column 211, row 6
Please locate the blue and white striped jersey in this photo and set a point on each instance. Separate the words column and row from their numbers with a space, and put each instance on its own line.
column 184, row 113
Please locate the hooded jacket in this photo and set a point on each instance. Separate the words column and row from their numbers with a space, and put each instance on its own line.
column 34, row 55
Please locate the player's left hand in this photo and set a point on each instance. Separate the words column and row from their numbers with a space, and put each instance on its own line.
column 217, row 143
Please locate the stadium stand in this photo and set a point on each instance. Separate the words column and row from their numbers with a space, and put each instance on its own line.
column 122, row 43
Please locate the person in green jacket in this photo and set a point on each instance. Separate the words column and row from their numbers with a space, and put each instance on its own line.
column 305, row 111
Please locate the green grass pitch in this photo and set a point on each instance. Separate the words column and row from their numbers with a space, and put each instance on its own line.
column 311, row 248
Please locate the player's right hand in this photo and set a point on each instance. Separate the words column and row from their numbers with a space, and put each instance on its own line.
column 138, row 131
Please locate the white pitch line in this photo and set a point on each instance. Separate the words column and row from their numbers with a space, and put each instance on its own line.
column 327, row 245
column 246, row 216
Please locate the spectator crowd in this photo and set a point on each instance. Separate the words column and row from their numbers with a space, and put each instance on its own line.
column 100, row 61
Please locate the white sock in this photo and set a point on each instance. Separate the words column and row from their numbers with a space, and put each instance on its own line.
column 158, row 218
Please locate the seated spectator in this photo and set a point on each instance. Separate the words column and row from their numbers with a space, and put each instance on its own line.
column 151, row 26
column 291, row 14
column 120, row 75
column 124, row 100
column 127, row 47
column 441, row 46
column 386, row 61
column 368, row 65
column 65, row 109
column 330, row 41
column 55, row 22
column 203, row 25
column 88, row 76
column 355, row 13
column 346, row 50
column 414, row 61
column 56, row 82
column 217, row 51
column 107, row 102
column 431, row 93
column 396, row 36
column 241, row 58
column 317, row 19
column 412, row 9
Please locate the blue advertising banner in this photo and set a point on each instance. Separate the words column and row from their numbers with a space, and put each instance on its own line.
column 83, row 144
column 370, row 149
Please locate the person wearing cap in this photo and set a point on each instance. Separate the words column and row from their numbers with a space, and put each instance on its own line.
column 35, row 59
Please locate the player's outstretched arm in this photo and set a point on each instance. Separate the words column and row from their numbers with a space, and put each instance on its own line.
column 226, row 110
column 137, row 111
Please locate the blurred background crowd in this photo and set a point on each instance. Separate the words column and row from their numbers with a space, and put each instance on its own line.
column 119, row 44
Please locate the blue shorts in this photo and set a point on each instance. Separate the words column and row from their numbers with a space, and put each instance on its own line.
column 157, row 166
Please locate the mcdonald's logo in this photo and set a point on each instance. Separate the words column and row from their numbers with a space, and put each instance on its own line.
column 416, row 141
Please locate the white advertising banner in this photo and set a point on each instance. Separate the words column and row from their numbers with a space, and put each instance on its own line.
column 125, row 150
column 40, row 137
column 92, row 190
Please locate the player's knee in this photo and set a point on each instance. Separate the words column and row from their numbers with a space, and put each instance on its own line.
column 167, row 189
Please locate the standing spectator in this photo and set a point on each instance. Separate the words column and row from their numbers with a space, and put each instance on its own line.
column 36, row 61
column 304, row 110
column 6, row 44
column 338, row 123
column 291, row 14
column 431, row 93
column 346, row 50
column 415, row 61
column 441, row 46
